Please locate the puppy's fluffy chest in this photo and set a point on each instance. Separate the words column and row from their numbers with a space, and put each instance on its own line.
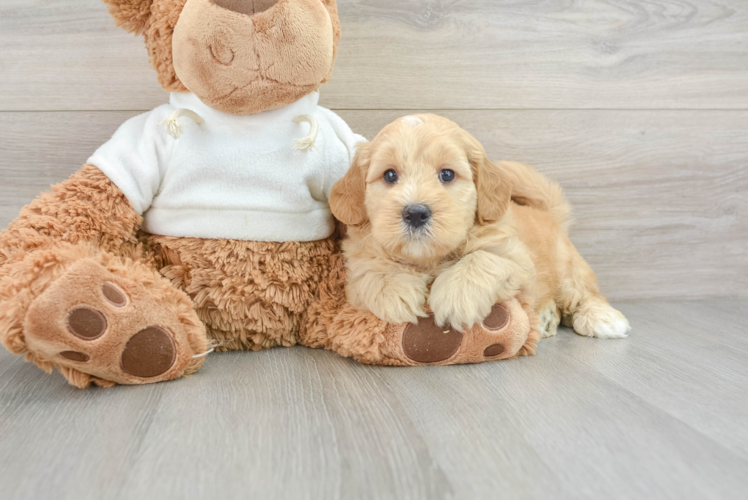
column 432, row 270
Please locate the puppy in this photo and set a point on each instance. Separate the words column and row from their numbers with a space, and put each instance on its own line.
column 432, row 221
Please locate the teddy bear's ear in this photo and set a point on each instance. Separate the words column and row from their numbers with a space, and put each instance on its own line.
column 131, row 15
column 332, row 9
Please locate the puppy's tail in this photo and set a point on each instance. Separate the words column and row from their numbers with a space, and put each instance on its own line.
column 535, row 190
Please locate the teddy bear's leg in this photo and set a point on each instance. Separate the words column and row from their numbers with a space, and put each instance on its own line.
column 250, row 295
column 68, row 302
column 512, row 329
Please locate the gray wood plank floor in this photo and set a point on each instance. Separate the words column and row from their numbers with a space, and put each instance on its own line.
column 659, row 415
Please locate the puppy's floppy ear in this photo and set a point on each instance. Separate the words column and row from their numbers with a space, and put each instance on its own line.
column 348, row 194
column 131, row 15
column 494, row 189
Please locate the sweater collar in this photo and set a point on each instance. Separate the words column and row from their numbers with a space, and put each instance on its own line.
column 304, row 106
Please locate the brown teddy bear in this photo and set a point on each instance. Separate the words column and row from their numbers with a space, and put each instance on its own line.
column 204, row 224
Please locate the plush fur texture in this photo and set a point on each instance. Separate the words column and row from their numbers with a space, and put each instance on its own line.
column 478, row 248
column 244, row 64
column 246, row 295
column 250, row 295
column 236, row 59
column 88, row 207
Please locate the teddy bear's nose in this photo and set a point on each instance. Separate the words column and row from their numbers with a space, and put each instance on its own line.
column 248, row 7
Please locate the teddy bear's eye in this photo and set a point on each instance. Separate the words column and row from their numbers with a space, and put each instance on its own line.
column 390, row 176
column 447, row 175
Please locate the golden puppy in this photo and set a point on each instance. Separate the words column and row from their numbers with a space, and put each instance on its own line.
column 432, row 220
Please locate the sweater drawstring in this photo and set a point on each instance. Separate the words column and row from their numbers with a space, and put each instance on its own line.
column 174, row 127
column 203, row 354
column 307, row 142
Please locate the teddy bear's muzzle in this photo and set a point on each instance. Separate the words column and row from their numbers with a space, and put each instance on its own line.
column 248, row 7
column 249, row 56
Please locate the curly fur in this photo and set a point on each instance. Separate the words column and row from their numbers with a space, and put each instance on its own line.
column 333, row 324
column 494, row 231
column 86, row 207
column 250, row 295
column 130, row 15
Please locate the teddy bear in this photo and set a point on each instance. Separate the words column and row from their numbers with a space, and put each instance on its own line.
column 204, row 224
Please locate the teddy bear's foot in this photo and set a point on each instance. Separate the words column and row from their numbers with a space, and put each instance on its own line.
column 107, row 321
column 506, row 333
column 502, row 335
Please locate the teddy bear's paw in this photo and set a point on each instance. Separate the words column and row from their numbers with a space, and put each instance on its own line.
column 501, row 335
column 117, row 323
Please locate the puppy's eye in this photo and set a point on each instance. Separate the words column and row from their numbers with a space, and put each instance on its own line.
column 447, row 176
column 390, row 176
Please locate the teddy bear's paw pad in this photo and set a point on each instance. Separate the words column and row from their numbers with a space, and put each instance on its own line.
column 504, row 332
column 495, row 323
column 149, row 353
column 498, row 319
column 86, row 323
column 114, row 295
column 494, row 350
column 427, row 342
column 75, row 356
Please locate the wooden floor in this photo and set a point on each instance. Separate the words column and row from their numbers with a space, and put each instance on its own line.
column 663, row 414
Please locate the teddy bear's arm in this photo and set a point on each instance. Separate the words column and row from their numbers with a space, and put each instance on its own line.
column 87, row 207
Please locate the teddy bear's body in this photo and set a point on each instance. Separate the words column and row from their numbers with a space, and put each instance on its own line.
column 205, row 222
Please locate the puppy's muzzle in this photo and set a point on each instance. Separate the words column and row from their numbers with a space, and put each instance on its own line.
column 416, row 216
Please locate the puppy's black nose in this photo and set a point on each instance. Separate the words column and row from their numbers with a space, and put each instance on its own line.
column 416, row 215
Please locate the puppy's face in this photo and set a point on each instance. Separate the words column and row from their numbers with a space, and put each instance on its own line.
column 420, row 195
column 421, row 185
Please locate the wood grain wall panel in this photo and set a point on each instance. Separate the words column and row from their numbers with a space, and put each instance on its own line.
column 416, row 54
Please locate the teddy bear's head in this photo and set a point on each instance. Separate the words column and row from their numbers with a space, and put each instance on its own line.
column 237, row 56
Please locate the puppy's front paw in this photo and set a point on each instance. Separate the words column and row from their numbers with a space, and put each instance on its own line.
column 398, row 298
column 458, row 302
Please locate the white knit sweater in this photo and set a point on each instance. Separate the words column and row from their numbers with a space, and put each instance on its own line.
column 233, row 177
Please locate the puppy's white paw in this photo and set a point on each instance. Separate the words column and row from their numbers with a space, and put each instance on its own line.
column 458, row 302
column 599, row 319
column 400, row 298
